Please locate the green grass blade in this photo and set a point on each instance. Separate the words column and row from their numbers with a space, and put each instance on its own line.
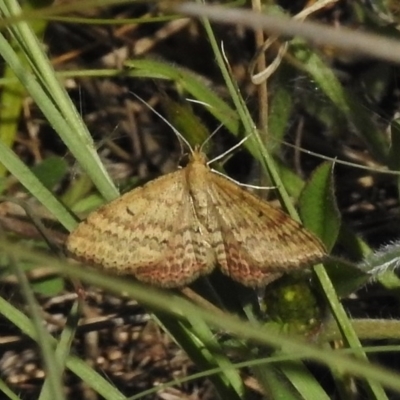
column 180, row 308
column 76, row 365
column 57, row 108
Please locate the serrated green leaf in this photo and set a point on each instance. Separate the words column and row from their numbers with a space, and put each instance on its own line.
column 317, row 206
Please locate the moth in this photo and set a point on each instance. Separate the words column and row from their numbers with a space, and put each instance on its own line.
column 184, row 224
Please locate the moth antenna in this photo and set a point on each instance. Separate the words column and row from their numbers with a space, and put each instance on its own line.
column 177, row 133
column 211, row 135
column 247, row 185
column 203, row 103
column 225, row 153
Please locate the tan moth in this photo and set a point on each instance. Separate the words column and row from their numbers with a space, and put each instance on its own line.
column 182, row 225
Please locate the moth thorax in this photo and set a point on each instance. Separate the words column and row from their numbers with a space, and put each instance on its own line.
column 198, row 182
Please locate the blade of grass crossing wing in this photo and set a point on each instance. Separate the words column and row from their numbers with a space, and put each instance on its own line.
column 179, row 308
column 254, row 144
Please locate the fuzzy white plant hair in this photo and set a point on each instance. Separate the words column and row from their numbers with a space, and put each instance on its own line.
column 385, row 259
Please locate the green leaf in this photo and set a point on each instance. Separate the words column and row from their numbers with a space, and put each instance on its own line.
column 191, row 83
column 182, row 117
column 326, row 80
column 317, row 206
column 293, row 183
column 345, row 276
column 35, row 187
column 88, row 204
column 51, row 171
column 280, row 107
column 45, row 89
